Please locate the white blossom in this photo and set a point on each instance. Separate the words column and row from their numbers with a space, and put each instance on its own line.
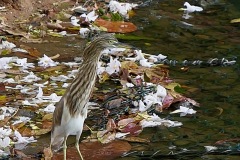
column 184, row 111
column 23, row 63
column 4, row 61
column 4, row 142
column 155, row 120
column 61, row 78
column 65, row 85
column 100, row 69
column 22, row 119
column 74, row 21
column 53, row 97
column 113, row 66
column 40, row 93
column 155, row 58
column 120, row 135
column 31, row 77
column 21, row 139
column 2, row 117
column 45, row 61
column 9, row 80
column 5, row 132
column 90, row 17
column 41, row 85
column 50, row 108
column 7, row 111
column 145, row 63
column 84, row 32
column 210, row 148
column 113, row 51
column 129, row 85
column 19, row 50
column 7, row 45
column 121, row 8
column 27, row 103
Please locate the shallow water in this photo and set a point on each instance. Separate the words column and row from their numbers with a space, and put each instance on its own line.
column 215, row 88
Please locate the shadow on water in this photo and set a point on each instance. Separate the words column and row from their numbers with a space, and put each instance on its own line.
column 208, row 34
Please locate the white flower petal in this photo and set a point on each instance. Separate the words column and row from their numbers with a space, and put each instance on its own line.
column 184, row 111
column 40, row 93
column 210, row 148
column 5, row 142
column 145, row 63
column 50, row 108
column 45, row 61
column 84, row 32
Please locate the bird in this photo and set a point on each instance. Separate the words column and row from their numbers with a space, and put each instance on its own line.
column 71, row 111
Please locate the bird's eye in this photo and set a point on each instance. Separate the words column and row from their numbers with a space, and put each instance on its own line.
column 112, row 41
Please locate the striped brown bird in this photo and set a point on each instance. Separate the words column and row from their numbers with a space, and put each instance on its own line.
column 71, row 110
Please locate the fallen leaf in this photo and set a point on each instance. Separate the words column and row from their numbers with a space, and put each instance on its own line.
column 136, row 139
column 122, row 123
column 116, row 26
column 171, row 86
column 237, row 20
column 111, row 125
column 48, row 116
column 106, row 138
column 96, row 151
column 114, row 103
column 47, row 125
column 2, row 87
column 132, row 128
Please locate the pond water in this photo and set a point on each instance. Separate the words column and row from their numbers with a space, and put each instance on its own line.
column 216, row 88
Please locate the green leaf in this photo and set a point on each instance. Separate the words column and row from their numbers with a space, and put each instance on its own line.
column 179, row 89
column 116, row 17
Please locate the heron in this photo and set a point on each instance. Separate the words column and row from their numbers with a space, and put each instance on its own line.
column 71, row 111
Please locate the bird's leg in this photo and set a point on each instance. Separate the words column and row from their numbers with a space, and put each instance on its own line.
column 77, row 145
column 65, row 148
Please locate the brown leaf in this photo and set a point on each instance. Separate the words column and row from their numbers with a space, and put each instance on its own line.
column 114, row 103
column 14, row 71
column 34, row 53
column 25, row 131
column 96, row 151
column 47, row 125
column 39, row 132
column 17, row 126
column 108, row 137
column 111, row 125
column 124, row 122
column 133, row 128
column 136, row 139
column 116, row 26
column 48, row 116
